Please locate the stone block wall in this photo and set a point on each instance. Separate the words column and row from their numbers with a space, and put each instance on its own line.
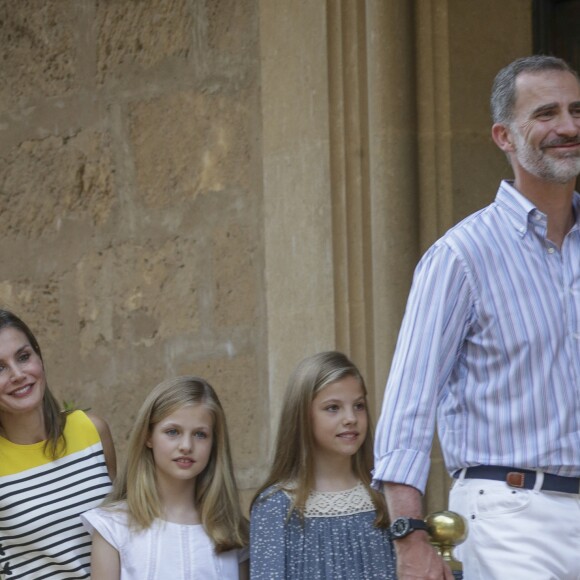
column 130, row 201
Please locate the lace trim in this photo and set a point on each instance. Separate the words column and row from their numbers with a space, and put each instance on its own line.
column 323, row 504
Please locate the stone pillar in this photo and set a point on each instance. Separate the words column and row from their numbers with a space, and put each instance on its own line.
column 299, row 265
column 392, row 172
column 350, row 186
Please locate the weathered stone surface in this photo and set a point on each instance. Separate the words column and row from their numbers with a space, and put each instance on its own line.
column 137, row 294
column 188, row 143
column 235, row 275
column 38, row 304
column 46, row 182
column 142, row 34
column 115, row 383
column 38, row 55
column 224, row 17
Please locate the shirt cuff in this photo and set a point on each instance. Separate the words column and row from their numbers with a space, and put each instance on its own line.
column 405, row 466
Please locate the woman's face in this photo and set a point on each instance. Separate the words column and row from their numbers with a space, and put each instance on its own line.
column 22, row 380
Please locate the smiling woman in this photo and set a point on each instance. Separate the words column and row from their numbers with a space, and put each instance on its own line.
column 47, row 457
column 22, row 383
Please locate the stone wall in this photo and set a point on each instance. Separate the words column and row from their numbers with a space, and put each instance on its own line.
column 130, row 196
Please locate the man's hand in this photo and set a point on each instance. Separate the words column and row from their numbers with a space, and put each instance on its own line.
column 416, row 557
column 418, row 560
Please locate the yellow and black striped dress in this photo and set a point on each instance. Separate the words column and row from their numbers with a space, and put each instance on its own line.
column 41, row 535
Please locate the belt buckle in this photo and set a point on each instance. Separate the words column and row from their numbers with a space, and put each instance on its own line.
column 515, row 479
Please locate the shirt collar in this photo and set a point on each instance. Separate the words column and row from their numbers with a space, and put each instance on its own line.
column 520, row 209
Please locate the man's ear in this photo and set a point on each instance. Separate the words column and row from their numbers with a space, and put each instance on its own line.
column 502, row 137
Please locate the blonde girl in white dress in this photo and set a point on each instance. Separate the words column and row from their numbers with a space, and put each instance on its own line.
column 174, row 512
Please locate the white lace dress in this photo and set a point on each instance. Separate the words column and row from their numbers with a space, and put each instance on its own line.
column 337, row 539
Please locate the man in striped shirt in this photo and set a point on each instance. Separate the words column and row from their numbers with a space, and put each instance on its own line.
column 490, row 349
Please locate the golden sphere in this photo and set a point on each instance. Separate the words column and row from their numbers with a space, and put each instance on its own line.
column 446, row 528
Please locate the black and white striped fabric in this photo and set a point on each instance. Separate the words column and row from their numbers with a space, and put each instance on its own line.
column 41, row 535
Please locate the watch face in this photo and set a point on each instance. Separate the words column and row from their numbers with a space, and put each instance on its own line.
column 400, row 527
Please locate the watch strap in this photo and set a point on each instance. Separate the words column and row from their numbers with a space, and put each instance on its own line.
column 401, row 527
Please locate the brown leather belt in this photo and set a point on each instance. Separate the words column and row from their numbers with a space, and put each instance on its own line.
column 522, row 478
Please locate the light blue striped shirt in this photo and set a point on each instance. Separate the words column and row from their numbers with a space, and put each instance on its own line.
column 490, row 346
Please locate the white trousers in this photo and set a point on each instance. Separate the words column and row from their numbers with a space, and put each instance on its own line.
column 517, row 534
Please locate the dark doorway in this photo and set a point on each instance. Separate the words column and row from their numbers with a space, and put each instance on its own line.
column 557, row 29
column 557, row 32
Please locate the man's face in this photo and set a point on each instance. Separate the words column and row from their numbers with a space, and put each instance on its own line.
column 545, row 129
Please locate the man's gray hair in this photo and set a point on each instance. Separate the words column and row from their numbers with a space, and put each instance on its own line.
column 503, row 93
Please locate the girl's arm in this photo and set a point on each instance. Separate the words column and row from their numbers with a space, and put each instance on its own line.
column 105, row 561
column 244, row 573
column 268, row 537
column 107, row 442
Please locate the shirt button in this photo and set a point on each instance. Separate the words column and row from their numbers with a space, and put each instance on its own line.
column 550, row 250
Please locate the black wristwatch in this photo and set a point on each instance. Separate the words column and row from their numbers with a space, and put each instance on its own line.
column 402, row 527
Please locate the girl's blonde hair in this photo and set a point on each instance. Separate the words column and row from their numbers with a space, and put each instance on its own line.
column 293, row 458
column 216, row 494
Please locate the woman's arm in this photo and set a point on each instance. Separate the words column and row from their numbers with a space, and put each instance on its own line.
column 105, row 561
column 107, row 441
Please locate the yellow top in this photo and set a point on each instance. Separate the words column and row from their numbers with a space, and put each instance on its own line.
column 79, row 433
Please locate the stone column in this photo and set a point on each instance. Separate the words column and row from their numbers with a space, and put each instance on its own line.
column 350, row 186
column 393, row 172
column 297, row 188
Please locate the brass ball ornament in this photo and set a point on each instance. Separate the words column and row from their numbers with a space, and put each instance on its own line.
column 446, row 530
column 446, row 527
